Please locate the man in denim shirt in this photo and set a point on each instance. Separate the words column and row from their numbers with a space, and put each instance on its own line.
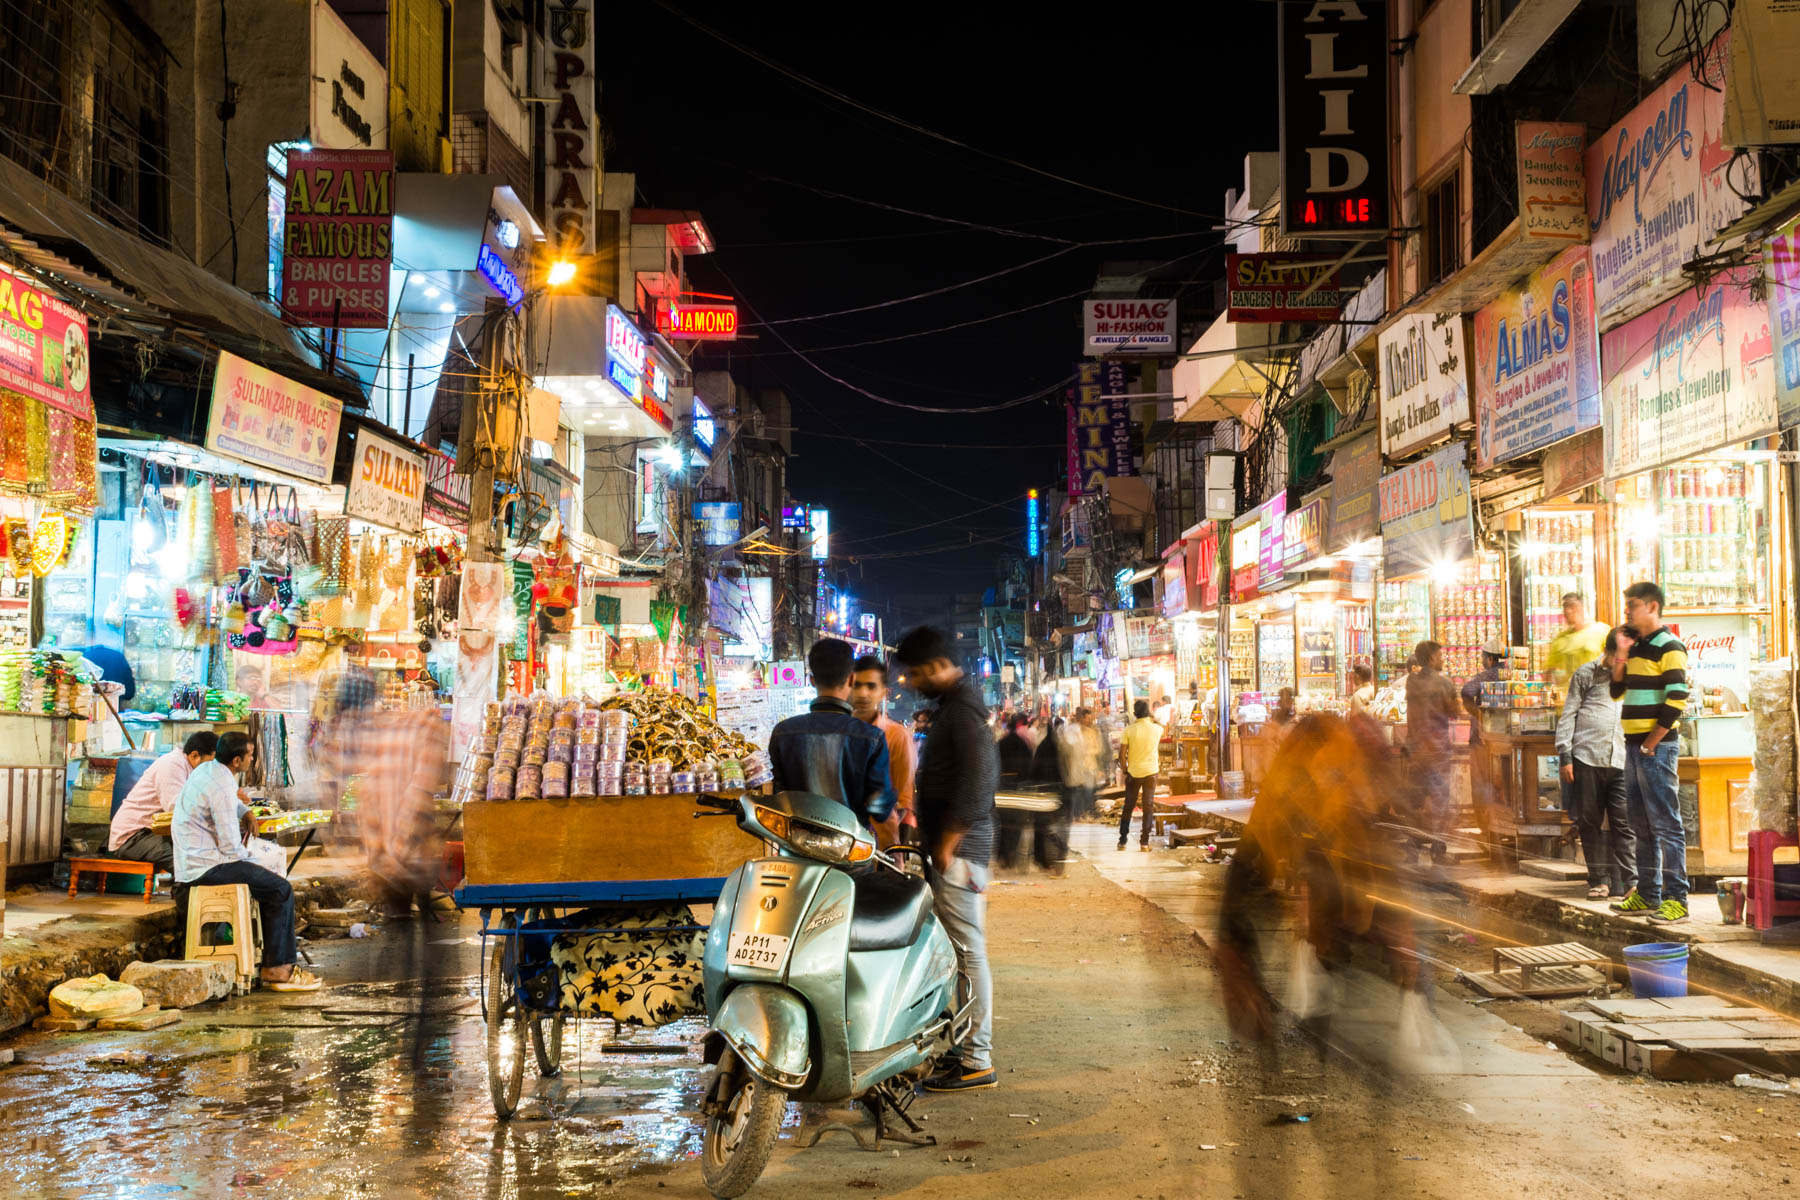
column 829, row 752
column 1591, row 744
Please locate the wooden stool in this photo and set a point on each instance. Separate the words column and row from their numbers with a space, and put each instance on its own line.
column 112, row 866
column 230, row 906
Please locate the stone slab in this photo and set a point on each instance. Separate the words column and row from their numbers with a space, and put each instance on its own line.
column 181, row 983
column 63, row 1024
column 155, row 1018
column 1560, row 870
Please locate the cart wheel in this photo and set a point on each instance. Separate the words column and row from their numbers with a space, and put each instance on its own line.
column 505, row 1027
column 546, row 1042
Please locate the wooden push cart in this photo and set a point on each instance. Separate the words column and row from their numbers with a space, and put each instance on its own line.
column 531, row 861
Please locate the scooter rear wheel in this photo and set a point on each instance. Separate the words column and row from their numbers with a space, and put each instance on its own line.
column 741, row 1131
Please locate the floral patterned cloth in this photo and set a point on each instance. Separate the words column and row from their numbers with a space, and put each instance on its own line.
column 644, row 976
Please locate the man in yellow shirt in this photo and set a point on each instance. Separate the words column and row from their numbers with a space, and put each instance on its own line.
column 1140, row 757
column 1578, row 644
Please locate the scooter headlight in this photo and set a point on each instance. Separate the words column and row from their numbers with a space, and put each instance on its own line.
column 817, row 842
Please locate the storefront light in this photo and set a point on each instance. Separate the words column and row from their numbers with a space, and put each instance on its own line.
column 171, row 562
column 1444, row 573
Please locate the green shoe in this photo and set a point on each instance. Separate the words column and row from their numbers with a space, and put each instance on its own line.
column 1670, row 912
column 1632, row 903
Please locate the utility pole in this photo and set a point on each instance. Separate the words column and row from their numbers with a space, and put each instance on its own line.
column 481, row 441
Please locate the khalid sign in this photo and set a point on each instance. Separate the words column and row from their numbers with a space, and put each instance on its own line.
column 44, row 348
column 1128, row 327
column 1425, row 514
column 387, row 484
column 1689, row 376
column 1334, row 144
column 1099, row 427
column 1424, row 380
column 1781, row 254
column 269, row 420
column 337, row 240
column 1657, row 188
column 1537, row 362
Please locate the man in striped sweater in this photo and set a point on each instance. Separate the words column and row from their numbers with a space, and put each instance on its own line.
column 1649, row 679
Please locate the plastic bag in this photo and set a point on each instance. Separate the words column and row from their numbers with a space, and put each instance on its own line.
column 1309, row 986
column 94, row 998
column 267, row 855
column 1421, row 1043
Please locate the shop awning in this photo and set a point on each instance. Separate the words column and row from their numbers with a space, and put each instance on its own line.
column 54, row 234
column 1223, row 373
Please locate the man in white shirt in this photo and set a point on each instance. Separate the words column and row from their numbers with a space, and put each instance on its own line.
column 210, row 852
column 155, row 792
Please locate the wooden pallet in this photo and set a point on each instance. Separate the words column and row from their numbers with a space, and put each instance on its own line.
column 1544, row 983
column 1528, row 960
column 1685, row 1038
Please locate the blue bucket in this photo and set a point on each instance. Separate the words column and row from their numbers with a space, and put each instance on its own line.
column 1658, row 969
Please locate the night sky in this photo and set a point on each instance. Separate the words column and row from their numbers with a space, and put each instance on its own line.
column 1158, row 108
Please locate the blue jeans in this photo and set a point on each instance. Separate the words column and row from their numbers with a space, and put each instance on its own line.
column 962, row 908
column 274, row 895
column 1653, row 801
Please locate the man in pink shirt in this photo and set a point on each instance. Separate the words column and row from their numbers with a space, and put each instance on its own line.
column 156, row 791
column 868, row 697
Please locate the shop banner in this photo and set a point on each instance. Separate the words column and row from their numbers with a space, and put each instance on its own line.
column 1425, row 514
column 1099, row 427
column 43, row 347
column 719, row 521
column 570, row 173
column 1246, row 561
column 1574, row 464
column 1203, row 563
column 1174, row 584
column 1657, row 186
column 337, row 240
column 387, row 484
column 1720, row 650
column 1303, row 537
column 1424, row 380
column 1537, row 362
column 1144, row 636
column 271, row 421
column 1355, row 480
column 1288, row 286
column 447, row 494
column 1781, row 255
column 1690, row 375
column 1128, row 327
column 1271, row 516
column 1552, row 185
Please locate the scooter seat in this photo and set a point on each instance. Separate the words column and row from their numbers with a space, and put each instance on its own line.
column 889, row 911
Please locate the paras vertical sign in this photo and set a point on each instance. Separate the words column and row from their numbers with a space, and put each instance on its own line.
column 1032, row 542
column 568, row 80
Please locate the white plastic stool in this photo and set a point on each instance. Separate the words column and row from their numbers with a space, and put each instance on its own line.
column 213, row 911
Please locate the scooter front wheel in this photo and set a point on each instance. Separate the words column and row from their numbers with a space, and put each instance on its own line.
column 742, row 1123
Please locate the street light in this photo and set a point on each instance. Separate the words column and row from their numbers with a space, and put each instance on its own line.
column 561, row 272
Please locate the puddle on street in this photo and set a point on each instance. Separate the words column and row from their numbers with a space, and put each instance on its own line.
column 347, row 1092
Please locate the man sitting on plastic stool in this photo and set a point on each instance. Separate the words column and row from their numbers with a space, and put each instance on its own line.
column 208, row 831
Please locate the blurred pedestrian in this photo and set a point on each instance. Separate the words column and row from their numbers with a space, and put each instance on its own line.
column 1431, row 705
column 1576, row 644
column 1362, row 689
column 1284, row 713
column 1140, row 756
column 1591, row 745
column 405, row 764
column 955, row 797
column 1050, row 826
column 1081, row 762
column 1649, row 679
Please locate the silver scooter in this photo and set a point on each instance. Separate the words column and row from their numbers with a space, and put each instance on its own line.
column 822, row 985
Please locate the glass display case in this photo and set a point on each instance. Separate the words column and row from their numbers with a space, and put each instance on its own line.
column 1402, row 621
column 1243, row 657
column 1702, row 530
column 1316, row 625
column 1469, row 608
column 15, row 612
column 1274, row 655
column 1556, row 557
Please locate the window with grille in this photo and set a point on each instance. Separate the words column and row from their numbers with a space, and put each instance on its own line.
column 1442, row 229
column 130, row 145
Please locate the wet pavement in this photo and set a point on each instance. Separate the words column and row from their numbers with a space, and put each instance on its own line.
column 1119, row 1078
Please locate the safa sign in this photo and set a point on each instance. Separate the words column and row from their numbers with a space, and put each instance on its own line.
column 494, row 269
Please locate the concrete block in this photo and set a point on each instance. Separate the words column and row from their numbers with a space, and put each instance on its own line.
column 154, row 1018
column 1641, row 1057
column 63, row 1024
column 1559, row 869
column 181, row 983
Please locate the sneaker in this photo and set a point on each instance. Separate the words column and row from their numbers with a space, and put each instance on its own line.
column 1144, row 846
column 1632, row 903
column 957, row 1079
column 1670, row 912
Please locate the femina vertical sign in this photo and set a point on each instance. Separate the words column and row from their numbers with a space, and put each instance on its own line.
column 570, row 139
column 1334, row 104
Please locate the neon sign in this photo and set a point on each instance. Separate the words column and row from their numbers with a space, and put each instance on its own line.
column 493, row 268
column 1032, row 543
column 698, row 322
column 624, row 344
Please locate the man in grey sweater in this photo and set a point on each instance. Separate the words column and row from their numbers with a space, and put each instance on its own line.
column 953, row 794
column 1591, row 744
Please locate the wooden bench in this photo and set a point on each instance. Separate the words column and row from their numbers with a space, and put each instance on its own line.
column 113, row 866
